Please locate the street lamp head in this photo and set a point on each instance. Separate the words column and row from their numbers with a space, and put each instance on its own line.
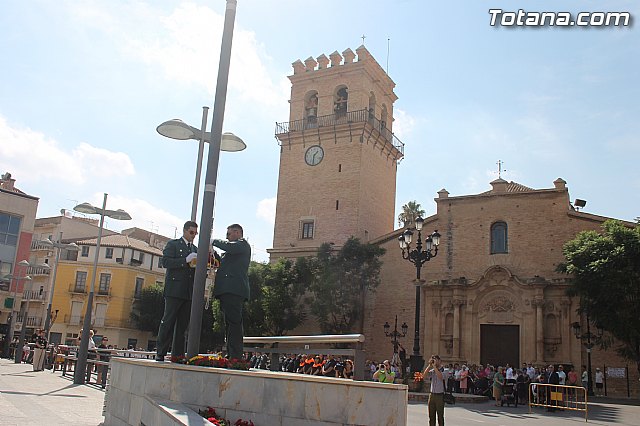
column 24, row 263
column 85, row 208
column 407, row 234
column 576, row 328
column 436, row 238
column 386, row 327
column 428, row 243
column 404, row 328
column 231, row 143
column 178, row 129
column 47, row 242
column 419, row 223
column 72, row 247
column 118, row 214
column 402, row 242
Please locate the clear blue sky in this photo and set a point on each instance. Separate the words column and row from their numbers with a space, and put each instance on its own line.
column 83, row 86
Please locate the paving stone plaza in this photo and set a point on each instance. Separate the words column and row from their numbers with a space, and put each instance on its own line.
column 30, row 398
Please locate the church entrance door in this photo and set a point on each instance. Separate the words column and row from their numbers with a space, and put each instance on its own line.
column 500, row 344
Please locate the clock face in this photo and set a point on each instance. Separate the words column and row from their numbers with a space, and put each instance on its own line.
column 314, row 155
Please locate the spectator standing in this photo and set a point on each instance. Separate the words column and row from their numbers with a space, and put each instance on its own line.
column 39, row 351
column 498, row 383
column 509, row 374
column 562, row 376
column 599, row 382
column 585, row 377
column 438, row 377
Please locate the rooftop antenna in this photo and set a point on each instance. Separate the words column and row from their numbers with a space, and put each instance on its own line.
column 500, row 163
column 388, row 47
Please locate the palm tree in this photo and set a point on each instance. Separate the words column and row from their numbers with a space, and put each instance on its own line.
column 410, row 212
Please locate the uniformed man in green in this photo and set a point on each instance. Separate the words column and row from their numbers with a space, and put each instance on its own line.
column 179, row 257
column 232, row 286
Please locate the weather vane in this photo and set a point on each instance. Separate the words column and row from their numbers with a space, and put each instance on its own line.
column 500, row 163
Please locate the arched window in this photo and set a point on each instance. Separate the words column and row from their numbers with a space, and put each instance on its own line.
column 311, row 109
column 383, row 117
column 499, row 238
column 372, row 106
column 340, row 103
column 311, row 104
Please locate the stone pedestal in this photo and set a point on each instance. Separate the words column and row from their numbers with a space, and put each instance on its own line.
column 150, row 392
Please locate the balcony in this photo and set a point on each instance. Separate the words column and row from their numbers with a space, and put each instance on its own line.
column 135, row 262
column 373, row 125
column 34, row 322
column 77, row 288
column 39, row 245
column 36, row 295
column 104, row 291
column 73, row 319
column 38, row 271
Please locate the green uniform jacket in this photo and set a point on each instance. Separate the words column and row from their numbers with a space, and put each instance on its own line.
column 232, row 275
column 178, row 282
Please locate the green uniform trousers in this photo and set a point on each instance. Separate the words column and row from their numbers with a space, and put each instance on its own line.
column 175, row 321
column 231, row 306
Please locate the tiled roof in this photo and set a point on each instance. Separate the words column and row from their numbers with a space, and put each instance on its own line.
column 513, row 187
column 122, row 241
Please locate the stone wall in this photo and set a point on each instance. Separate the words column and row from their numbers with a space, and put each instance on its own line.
column 264, row 397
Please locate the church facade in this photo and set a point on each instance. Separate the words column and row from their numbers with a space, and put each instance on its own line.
column 491, row 295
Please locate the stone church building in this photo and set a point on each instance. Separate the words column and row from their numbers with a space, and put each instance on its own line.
column 492, row 293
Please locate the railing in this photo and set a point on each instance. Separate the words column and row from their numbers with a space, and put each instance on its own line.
column 39, row 245
column 558, row 397
column 104, row 291
column 34, row 321
column 75, row 288
column 360, row 116
column 73, row 319
column 135, row 262
column 357, row 353
column 29, row 295
column 38, row 270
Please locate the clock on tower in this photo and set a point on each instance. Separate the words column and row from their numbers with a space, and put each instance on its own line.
column 338, row 155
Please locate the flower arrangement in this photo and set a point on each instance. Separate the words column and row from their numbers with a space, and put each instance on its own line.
column 418, row 377
column 210, row 414
column 218, row 362
column 179, row 359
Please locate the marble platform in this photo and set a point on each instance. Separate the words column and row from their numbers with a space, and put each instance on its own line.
column 146, row 392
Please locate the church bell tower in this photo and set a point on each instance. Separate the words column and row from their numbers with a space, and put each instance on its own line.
column 338, row 155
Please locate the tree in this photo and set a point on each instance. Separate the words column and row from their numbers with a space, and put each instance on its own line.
column 410, row 212
column 276, row 298
column 606, row 277
column 149, row 308
column 339, row 283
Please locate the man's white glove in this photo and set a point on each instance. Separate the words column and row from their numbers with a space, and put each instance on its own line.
column 191, row 256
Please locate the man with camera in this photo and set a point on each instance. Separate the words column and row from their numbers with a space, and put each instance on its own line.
column 384, row 373
column 434, row 371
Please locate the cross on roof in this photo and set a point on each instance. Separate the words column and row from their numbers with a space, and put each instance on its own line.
column 363, row 37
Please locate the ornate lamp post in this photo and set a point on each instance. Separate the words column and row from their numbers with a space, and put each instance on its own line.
column 418, row 257
column 588, row 340
column 395, row 334
column 81, row 364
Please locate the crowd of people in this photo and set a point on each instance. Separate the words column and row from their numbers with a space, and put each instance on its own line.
column 314, row 365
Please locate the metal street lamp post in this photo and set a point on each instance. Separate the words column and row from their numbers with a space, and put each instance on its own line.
column 418, row 257
column 81, row 364
column 395, row 334
column 58, row 248
column 24, row 314
column 177, row 129
column 206, row 221
column 586, row 340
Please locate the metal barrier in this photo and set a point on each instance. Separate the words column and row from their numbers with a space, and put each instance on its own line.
column 357, row 353
column 558, row 397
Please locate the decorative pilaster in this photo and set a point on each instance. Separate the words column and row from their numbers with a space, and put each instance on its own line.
column 539, row 303
column 457, row 305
